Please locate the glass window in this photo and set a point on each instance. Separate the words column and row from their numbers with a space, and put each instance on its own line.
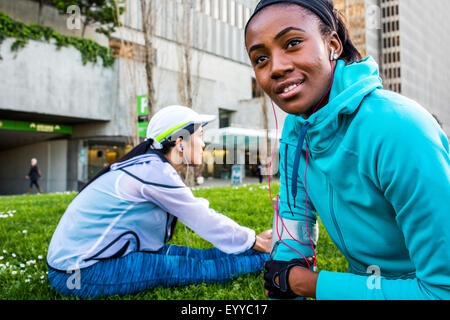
column 225, row 118
column 233, row 12
column 256, row 89
column 240, row 16
column 102, row 154
column 224, row 11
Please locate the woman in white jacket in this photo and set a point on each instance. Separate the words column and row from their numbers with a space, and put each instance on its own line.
column 112, row 238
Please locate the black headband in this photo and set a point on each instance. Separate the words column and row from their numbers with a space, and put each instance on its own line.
column 322, row 8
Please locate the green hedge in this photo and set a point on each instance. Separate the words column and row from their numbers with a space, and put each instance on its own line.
column 89, row 49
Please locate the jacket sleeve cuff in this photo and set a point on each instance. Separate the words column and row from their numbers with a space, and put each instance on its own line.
column 250, row 241
column 340, row 286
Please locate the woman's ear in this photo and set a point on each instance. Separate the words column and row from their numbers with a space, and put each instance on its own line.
column 335, row 46
column 179, row 144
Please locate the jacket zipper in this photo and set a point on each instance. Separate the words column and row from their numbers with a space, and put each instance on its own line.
column 333, row 217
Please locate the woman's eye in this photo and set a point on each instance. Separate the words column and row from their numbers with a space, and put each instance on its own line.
column 293, row 43
column 260, row 59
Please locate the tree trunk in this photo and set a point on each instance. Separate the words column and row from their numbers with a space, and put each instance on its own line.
column 148, row 28
column 183, row 38
column 187, row 52
column 83, row 30
column 41, row 9
column 185, row 72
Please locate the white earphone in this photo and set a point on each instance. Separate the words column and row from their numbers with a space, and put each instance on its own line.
column 333, row 56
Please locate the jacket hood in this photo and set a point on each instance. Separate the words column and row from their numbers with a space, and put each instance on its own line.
column 350, row 85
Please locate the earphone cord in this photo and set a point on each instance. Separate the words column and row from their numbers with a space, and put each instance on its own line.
column 186, row 179
column 306, row 189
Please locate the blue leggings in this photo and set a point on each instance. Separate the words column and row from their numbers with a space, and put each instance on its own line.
column 170, row 266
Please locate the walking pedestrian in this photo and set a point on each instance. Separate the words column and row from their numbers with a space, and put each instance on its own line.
column 33, row 175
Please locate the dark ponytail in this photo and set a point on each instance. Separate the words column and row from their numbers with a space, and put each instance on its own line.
column 145, row 146
column 140, row 149
column 350, row 53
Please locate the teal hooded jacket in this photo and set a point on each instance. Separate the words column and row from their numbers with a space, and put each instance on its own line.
column 378, row 175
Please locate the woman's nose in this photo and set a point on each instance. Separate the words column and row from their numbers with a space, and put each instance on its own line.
column 281, row 64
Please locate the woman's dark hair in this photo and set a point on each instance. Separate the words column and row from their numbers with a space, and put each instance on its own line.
column 330, row 20
column 350, row 53
column 143, row 148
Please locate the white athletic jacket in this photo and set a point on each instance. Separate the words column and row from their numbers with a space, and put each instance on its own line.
column 131, row 208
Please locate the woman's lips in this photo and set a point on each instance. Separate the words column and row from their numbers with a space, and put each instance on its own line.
column 291, row 90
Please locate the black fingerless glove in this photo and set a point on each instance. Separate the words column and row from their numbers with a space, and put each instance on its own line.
column 280, row 269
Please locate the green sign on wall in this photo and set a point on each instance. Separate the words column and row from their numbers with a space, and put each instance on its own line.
column 35, row 127
column 142, row 112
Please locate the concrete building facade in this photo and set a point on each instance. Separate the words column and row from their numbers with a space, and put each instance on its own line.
column 48, row 88
column 77, row 118
column 406, row 38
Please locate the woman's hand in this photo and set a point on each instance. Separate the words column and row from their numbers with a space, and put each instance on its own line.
column 263, row 240
column 303, row 282
column 300, row 281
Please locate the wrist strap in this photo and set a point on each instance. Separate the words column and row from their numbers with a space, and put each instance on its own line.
column 284, row 275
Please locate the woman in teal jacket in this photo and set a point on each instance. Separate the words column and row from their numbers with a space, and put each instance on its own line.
column 373, row 164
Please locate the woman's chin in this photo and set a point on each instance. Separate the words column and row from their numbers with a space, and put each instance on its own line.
column 296, row 110
column 295, row 107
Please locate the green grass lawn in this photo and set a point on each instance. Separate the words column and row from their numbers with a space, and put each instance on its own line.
column 27, row 224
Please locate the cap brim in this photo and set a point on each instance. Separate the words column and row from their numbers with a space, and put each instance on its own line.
column 204, row 119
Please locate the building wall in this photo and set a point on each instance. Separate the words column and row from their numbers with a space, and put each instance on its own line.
column 424, row 56
column 52, row 161
column 221, row 73
column 252, row 109
column 41, row 79
column 216, row 25
column 220, row 69
column 406, row 38
column 373, row 29
column 28, row 12
column 391, row 67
